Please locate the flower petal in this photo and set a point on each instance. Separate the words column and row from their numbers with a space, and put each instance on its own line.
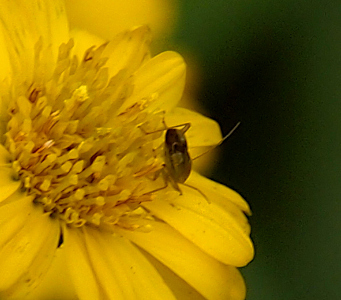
column 57, row 284
column 128, row 50
column 116, row 260
column 6, row 67
column 117, row 16
column 24, row 22
column 180, row 288
column 221, row 194
column 119, row 269
column 83, row 40
column 211, row 227
column 211, row 278
column 27, row 243
column 161, row 79
column 84, row 280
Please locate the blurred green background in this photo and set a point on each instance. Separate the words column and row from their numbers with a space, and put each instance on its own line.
column 276, row 67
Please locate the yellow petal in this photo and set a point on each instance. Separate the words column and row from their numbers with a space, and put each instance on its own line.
column 128, row 50
column 27, row 243
column 83, row 40
column 162, row 78
column 78, row 262
column 111, row 279
column 212, row 228
column 106, row 18
column 221, row 194
column 123, row 272
column 212, row 279
column 180, row 288
column 57, row 284
column 233, row 210
column 23, row 23
column 6, row 67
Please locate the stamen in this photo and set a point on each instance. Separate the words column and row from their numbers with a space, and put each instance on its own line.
column 84, row 162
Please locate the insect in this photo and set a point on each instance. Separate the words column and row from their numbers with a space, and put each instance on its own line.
column 178, row 163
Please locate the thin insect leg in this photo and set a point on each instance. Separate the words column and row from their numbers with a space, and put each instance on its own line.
column 151, row 132
column 200, row 192
column 158, row 130
column 167, row 178
column 185, row 126
column 156, row 190
column 156, row 176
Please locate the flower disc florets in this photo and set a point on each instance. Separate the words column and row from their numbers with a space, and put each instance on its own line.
column 81, row 158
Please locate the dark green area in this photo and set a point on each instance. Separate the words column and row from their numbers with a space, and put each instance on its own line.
column 276, row 67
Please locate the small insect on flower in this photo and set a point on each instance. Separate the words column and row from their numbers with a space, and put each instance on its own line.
column 178, row 163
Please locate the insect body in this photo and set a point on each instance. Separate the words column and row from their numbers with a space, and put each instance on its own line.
column 178, row 163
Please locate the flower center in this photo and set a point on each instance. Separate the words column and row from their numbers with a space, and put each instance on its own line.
column 81, row 159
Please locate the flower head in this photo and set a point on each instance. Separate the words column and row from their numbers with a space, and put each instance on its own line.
column 84, row 169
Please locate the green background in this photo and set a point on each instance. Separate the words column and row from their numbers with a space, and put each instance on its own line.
column 276, row 67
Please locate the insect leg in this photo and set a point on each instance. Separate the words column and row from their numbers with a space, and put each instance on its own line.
column 167, row 178
column 185, row 127
column 200, row 192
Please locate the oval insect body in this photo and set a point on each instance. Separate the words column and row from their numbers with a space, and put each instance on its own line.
column 177, row 159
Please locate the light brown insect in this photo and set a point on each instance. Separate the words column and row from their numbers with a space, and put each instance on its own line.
column 178, row 163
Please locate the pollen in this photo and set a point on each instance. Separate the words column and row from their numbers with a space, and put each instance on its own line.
column 81, row 159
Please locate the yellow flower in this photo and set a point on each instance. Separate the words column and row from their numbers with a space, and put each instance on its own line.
column 82, row 160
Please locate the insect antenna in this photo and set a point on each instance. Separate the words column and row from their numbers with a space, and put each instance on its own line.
column 219, row 143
